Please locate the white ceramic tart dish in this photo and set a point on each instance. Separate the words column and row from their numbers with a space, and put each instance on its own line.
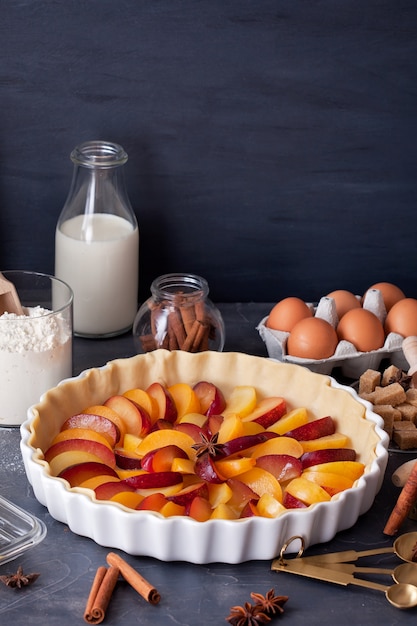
column 181, row 538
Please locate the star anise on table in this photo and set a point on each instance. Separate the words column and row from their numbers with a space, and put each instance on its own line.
column 208, row 445
column 247, row 615
column 19, row 579
column 269, row 603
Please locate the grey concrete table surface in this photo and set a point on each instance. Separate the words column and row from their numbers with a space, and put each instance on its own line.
column 191, row 594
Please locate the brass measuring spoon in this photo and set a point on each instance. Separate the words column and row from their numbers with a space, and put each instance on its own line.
column 403, row 547
column 404, row 573
column 402, row 595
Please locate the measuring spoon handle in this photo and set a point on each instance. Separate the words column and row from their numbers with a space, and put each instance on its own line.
column 318, row 571
column 368, row 584
column 346, row 556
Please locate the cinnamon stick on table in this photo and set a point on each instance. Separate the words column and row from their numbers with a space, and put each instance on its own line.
column 404, row 504
column 100, row 594
column 142, row 586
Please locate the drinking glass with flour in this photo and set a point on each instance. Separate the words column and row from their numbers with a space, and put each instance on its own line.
column 36, row 347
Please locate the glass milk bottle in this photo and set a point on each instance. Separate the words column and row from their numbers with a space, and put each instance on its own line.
column 97, row 242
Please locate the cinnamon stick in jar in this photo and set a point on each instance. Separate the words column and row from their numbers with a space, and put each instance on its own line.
column 101, row 591
column 188, row 316
column 172, row 340
column 403, row 505
column 200, row 343
column 135, row 580
column 155, row 312
column 148, row 343
column 190, row 340
column 200, row 311
column 176, row 326
column 205, row 333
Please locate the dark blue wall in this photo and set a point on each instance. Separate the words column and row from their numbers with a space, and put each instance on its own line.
column 272, row 145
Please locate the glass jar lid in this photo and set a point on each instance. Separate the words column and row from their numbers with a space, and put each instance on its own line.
column 19, row 531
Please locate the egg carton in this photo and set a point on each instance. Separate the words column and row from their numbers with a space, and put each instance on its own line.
column 351, row 362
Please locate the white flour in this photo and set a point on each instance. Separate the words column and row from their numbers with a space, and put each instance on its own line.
column 35, row 354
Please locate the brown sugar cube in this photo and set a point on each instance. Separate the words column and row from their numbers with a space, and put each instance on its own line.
column 369, row 380
column 406, row 439
column 408, row 412
column 411, row 396
column 389, row 415
column 388, row 422
column 403, row 425
column 369, row 397
column 390, row 375
column 392, row 394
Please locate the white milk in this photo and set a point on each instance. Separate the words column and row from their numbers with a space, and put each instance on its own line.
column 35, row 355
column 101, row 266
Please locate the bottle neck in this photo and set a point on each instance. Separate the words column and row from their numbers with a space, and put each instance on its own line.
column 99, row 154
column 97, row 184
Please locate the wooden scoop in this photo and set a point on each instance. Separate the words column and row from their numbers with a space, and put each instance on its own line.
column 9, row 300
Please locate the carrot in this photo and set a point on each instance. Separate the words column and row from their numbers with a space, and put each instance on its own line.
column 404, row 504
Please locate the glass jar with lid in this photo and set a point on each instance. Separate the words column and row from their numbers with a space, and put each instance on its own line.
column 179, row 316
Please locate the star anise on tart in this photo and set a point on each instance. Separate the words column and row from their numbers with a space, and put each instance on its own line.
column 247, row 615
column 208, row 445
column 19, row 579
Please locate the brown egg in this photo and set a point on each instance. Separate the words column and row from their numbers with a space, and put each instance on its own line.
column 402, row 318
column 286, row 313
column 391, row 294
column 312, row 338
column 363, row 329
column 344, row 301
